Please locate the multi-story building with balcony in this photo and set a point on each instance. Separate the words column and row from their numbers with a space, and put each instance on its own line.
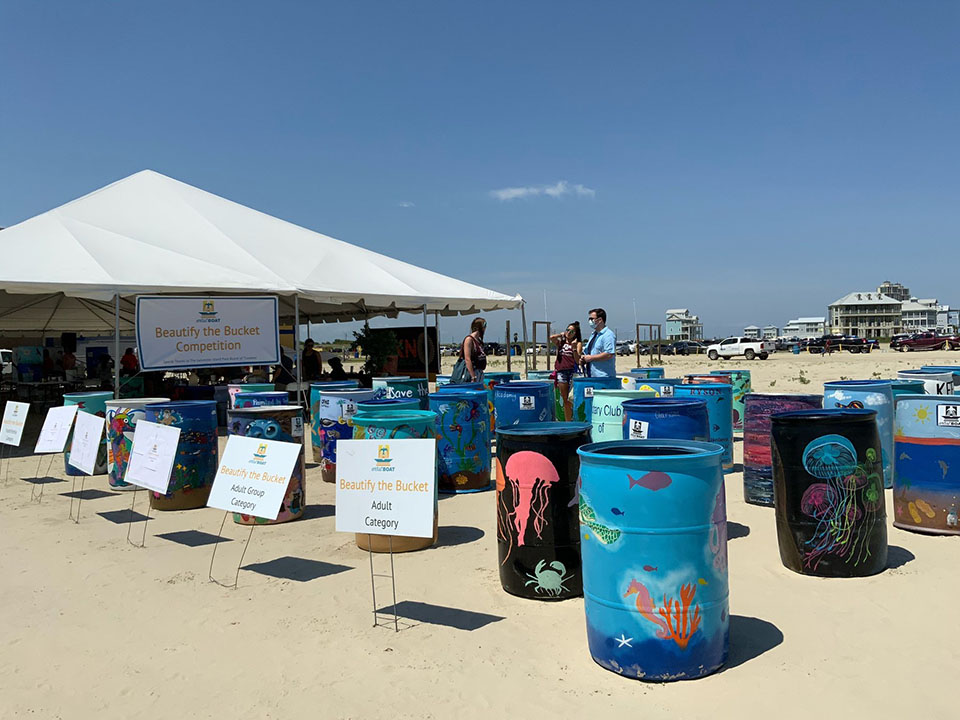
column 681, row 325
column 865, row 314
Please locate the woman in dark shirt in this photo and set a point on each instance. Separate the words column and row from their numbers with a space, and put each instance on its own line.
column 472, row 352
column 569, row 351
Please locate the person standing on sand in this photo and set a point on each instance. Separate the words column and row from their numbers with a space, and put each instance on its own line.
column 569, row 349
column 473, row 354
column 600, row 359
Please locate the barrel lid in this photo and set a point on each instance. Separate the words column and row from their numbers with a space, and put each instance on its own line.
column 523, row 385
column 826, row 415
column 856, row 383
column 544, row 428
column 662, row 450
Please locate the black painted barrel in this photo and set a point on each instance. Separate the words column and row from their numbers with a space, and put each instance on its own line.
column 538, row 525
column 828, row 492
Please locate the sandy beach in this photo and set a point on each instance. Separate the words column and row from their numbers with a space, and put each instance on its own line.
column 94, row 627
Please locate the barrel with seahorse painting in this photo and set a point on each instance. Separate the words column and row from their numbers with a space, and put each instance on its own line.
column 463, row 440
column 653, row 539
column 538, row 533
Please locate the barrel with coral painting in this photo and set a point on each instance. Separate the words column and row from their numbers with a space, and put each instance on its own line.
column 122, row 417
column 463, row 440
column 583, row 388
column 538, row 533
column 828, row 492
column 197, row 458
column 757, row 463
column 740, row 379
column 926, row 486
column 283, row 423
column 653, row 539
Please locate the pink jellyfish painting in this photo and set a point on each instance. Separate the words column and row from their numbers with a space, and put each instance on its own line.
column 530, row 475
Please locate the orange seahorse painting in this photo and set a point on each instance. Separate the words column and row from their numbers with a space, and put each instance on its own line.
column 675, row 621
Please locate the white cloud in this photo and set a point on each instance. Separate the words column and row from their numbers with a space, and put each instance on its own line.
column 556, row 190
column 405, row 204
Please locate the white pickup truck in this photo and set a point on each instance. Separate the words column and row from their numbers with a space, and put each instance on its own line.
column 733, row 346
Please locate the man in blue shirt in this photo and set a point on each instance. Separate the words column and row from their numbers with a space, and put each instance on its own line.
column 600, row 353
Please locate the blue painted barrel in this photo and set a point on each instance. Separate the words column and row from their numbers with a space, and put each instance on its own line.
column 335, row 413
column 665, row 419
column 195, row 465
column 523, row 402
column 490, row 381
column 463, row 440
column 245, row 399
column 653, row 540
column 955, row 369
column 315, row 389
column 387, row 404
column 607, row 409
column 906, row 387
column 234, row 388
column 719, row 397
column 403, row 387
column 441, row 380
column 740, row 379
column 663, row 387
column 926, row 484
column 122, row 418
column 450, row 387
column 935, row 382
column 94, row 403
column 648, row 372
column 283, row 423
column 583, row 388
column 870, row 395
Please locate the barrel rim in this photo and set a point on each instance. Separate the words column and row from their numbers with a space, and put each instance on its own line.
column 347, row 391
column 922, row 371
column 183, row 403
column 522, row 384
column 857, row 383
column 926, row 396
column 335, row 383
column 394, row 378
column 826, row 415
column 89, row 393
column 655, row 402
column 263, row 409
column 789, row 396
column 552, row 428
column 697, row 450
column 394, row 415
column 124, row 402
column 610, row 392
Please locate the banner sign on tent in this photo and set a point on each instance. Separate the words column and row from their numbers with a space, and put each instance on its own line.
column 87, row 433
column 152, row 455
column 14, row 418
column 177, row 333
column 56, row 427
column 253, row 476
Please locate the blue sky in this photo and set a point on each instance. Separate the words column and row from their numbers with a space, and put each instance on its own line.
column 752, row 161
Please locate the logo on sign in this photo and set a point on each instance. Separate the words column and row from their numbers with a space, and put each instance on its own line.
column 638, row 429
column 383, row 460
column 260, row 456
column 948, row 415
column 526, row 402
column 208, row 313
column 588, row 392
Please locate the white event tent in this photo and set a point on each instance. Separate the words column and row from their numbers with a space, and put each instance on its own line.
column 79, row 267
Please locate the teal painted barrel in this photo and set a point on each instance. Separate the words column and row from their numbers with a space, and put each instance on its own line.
column 663, row 387
column 234, row 388
column 404, row 388
column 283, row 423
column 463, row 440
column 906, row 387
column 719, row 397
column 539, row 375
column 648, row 372
column 335, row 413
column 195, row 465
column 94, row 403
column 451, row 387
column 583, row 388
column 387, row 404
column 955, row 369
column 740, row 379
column 260, row 399
column 607, row 412
column 653, row 538
column 396, row 425
column 122, row 417
column 441, row 380
column 490, row 381
column 870, row 395
column 315, row 389
column 935, row 382
column 523, row 402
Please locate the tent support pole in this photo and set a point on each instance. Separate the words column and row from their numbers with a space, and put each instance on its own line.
column 523, row 319
column 426, row 347
column 116, row 347
column 296, row 347
column 436, row 324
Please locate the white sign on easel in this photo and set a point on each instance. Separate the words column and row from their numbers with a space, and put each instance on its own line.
column 386, row 487
column 253, row 476
column 56, row 428
column 152, row 455
column 87, row 433
column 14, row 419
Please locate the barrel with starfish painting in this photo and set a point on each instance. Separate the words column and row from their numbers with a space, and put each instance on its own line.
column 538, row 534
column 653, row 539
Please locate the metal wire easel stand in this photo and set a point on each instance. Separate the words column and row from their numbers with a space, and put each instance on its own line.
column 373, row 585
column 143, row 540
column 214, row 555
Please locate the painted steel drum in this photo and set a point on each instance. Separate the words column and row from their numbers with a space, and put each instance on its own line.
column 955, row 369
column 387, row 404
column 607, row 412
column 872, row 395
column 396, row 424
column 583, row 388
column 315, row 426
column 538, row 531
column 653, row 525
column 335, row 412
column 935, row 382
column 122, row 417
column 663, row 387
column 283, row 423
column 94, row 403
column 665, row 418
column 260, row 399
column 828, row 492
column 648, row 372
column 906, row 387
column 463, row 440
column 234, row 388
column 403, row 388
column 719, row 397
column 926, row 484
column 740, row 379
column 523, row 402
column 195, row 465
column 757, row 462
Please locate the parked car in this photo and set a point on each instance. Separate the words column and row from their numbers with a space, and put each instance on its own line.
column 733, row 346
column 953, row 342
column 494, row 348
column 829, row 343
column 623, row 348
column 687, row 347
column 919, row 341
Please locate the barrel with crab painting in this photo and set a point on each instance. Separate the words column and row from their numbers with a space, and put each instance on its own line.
column 463, row 440
column 740, row 379
column 654, row 545
column 197, row 458
column 335, row 412
column 538, row 533
column 94, row 403
column 283, row 423
column 122, row 417
column 828, row 492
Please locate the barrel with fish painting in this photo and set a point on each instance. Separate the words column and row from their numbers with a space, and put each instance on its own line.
column 740, row 379
column 654, row 547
